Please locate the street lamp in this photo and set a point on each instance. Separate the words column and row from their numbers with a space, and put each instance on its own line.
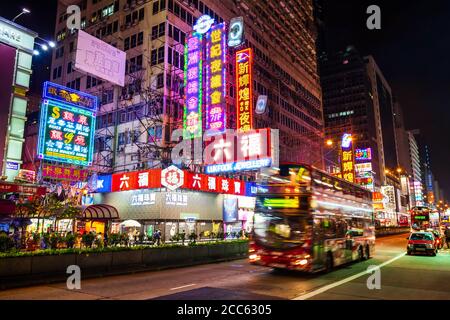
column 24, row 11
column 329, row 142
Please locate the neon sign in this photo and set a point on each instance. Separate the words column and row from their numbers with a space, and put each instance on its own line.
column 203, row 24
column 244, row 93
column 347, row 159
column 236, row 33
column 363, row 154
column 66, row 133
column 66, row 95
column 216, row 88
column 192, row 120
column 237, row 152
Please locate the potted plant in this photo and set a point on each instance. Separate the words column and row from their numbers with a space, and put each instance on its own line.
column 70, row 239
column 182, row 237
column 88, row 239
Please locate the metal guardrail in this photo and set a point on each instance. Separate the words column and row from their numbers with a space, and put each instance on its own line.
column 386, row 231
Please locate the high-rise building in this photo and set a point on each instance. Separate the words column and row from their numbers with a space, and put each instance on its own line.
column 134, row 123
column 355, row 97
column 16, row 52
column 416, row 173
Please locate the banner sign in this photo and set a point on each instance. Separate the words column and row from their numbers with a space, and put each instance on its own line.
column 62, row 173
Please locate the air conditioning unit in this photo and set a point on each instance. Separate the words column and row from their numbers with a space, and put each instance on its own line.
column 133, row 4
column 126, row 7
column 135, row 22
column 139, row 2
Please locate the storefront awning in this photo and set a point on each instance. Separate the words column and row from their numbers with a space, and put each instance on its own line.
column 99, row 212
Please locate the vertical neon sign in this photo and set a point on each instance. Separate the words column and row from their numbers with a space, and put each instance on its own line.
column 244, row 93
column 216, row 88
column 347, row 160
column 192, row 119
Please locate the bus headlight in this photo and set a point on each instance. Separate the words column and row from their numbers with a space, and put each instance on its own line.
column 301, row 262
column 254, row 257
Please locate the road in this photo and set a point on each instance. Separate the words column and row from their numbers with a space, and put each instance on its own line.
column 402, row 277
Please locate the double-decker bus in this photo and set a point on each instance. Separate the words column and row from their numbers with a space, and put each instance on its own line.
column 423, row 218
column 308, row 220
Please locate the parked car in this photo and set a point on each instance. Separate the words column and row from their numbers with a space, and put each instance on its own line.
column 421, row 242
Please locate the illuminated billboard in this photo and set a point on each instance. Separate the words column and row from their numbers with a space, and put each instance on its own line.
column 363, row 154
column 216, row 70
column 347, row 158
column 250, row 150
column 192, row 119
column 244, row 92
column 66, row 95
column 236, row 32
column 100, row 59
column 66, row 133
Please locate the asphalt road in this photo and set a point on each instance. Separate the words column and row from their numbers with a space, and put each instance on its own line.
column 401, row 277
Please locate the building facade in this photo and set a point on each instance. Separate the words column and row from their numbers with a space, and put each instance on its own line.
column 416, row 167
column 135, row 123
column 354, row 92
column 16, row 52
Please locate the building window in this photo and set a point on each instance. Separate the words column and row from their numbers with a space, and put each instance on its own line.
column 141, row 14
column 160, row 81
column 69, row 67
column 140, row 39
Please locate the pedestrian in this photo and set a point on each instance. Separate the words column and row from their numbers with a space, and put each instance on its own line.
column 158, row 237
column 447, row 237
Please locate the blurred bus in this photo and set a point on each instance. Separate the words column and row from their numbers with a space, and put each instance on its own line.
column 308, row 220
column 423, row 218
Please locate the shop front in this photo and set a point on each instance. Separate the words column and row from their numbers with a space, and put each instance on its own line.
column 176, row 202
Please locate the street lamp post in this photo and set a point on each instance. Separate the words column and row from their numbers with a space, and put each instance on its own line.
column 24, row 11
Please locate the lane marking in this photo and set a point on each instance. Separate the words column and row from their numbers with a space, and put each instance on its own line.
column 343, row 281
column 186, row 286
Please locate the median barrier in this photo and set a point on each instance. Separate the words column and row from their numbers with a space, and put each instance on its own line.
column 42, row 268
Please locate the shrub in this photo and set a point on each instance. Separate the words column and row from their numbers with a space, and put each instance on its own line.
column 88, row 239
column 54, row 239
column 114, row 239
column 6, row 243
column 70, row 239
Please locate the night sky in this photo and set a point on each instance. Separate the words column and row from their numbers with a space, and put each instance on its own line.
column 411, row 49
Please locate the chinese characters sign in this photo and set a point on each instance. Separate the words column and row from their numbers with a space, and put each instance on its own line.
column 347, row 159
column 61, row 173
column 192, row 121
column 243, row 151
column 66, row 133
column 363, row 154
column 136, row 180
column 216, row 88
column 244, row 94
column 156, row 178
column 65, row 95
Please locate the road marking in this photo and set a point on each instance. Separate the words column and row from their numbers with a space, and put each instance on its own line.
column 343, row 281
column 188, row 285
